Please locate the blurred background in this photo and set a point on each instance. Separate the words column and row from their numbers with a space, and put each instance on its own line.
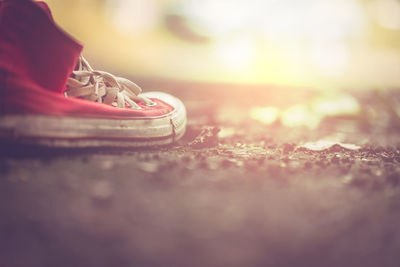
column 320, row 44
column 291, row 155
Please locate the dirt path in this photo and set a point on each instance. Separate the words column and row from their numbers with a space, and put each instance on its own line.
column 254, row 196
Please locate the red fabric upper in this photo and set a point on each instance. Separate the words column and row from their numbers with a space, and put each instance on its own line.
column 36, row 59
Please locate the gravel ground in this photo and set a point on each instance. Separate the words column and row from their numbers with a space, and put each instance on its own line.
column 233, row 192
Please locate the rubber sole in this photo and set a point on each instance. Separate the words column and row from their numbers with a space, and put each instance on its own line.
column 54, row 131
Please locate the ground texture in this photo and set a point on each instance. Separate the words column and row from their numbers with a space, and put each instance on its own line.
column 234, row 192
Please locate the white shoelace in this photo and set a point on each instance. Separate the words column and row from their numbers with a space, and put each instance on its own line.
column 103, row 87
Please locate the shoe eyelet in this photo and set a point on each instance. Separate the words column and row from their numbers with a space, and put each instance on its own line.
column 151, row 104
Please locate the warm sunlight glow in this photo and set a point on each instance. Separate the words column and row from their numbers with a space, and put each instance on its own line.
column 309, row 114
column 266, row 115
column 307, row 43
column 300, row 115
column 134, row 16
column 331, row 59
column 336, row 104
column 235, row 54
column 387, row 13
column 284, row 42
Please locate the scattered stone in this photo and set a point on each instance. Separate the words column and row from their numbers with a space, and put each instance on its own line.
column 288, row 148
column 386, row 158
column 208, row 137
column 329, row 145
column 347, row 160
column 335, row 159
column 226, row 132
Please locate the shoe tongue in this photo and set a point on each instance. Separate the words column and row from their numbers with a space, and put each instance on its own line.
column 39, row 50
column 46, row 9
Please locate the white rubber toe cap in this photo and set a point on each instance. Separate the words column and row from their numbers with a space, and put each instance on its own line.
column 93, row 132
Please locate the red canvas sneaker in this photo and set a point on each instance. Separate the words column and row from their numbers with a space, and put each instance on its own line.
column 51, row 96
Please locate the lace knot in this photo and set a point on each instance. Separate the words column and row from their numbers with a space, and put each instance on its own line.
column 104, row 87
